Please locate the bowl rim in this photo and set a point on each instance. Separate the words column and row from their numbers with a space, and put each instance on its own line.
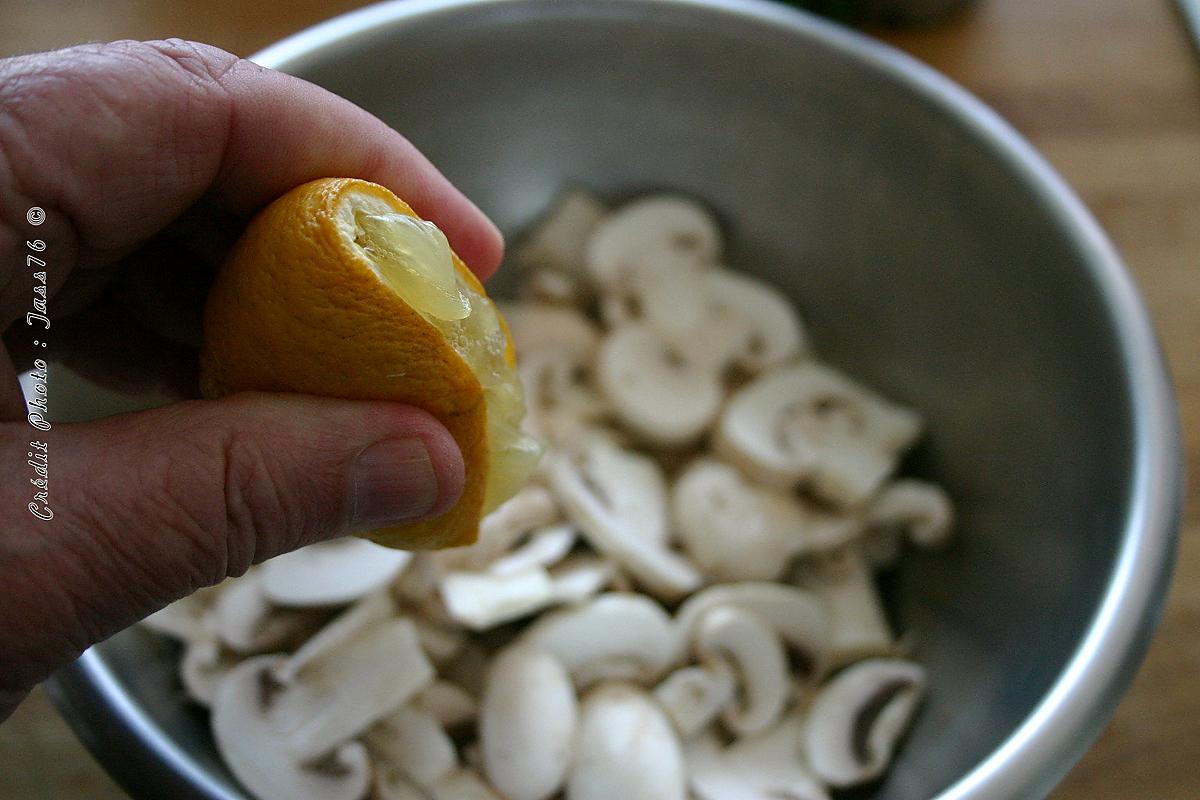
column 1068, row 718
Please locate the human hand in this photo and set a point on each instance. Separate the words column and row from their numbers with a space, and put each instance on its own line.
column 148, row 157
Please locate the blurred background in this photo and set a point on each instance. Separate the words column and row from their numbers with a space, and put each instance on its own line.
column 1107, row 90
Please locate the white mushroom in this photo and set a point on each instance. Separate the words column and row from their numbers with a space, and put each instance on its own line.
column 462, row 784
column 531, row 508
column 536, row 327
column 482, row 600
column 734, row 530
column 626, row 749
column 449, row 703
column 773, row 330
column 544, row 548
column 753, row 768
column 798, row 616
column 247, row 622
column 339, row 632
column 644, row 233
column 204, row 665
column 252, row 740
column 318, row 708
column 923, row 509
column 662, row 397
column 419, row 581
column 857, row 719
column 185, row 619
column 527, row 722
column 330, row 573
column 694, row 696
column 413, row 741
column 392, row 784
column 857, row 622
column 440, row 641
column 807, row 423
column 623, row 520
column 558, row 239
column 756, row 654
column 560, row 401
column 615, row 636
column 580, row 577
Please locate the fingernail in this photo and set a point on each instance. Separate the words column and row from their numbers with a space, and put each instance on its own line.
column 394, row 481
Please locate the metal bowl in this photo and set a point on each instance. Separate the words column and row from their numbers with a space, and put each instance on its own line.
column 931, row 252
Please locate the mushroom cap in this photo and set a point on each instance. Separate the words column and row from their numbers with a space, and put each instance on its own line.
column 857, row 719
column 732, row 529
column 694, row 696
column 527, row 722
column 414, row 741
column 773, row 330
column 660, row 396
column 247, row 731
column 331, row 573
column 626, row 749
column 807, row 422
column 535, row 327
column 482, row 600
column 756, row 653
column 645, row 232
column 614, row 636
column 558, row 239
column 624, row 521
column 247, row 622
column 858, row 625
column 799, row 616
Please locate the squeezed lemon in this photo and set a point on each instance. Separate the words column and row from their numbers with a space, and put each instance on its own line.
column 412, row 257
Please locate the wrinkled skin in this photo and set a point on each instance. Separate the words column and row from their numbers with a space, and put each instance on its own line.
column 148, row 158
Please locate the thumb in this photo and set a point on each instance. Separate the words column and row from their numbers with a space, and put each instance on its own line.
column 149, row 506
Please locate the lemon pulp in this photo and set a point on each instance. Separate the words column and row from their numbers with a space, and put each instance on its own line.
column 412, row 257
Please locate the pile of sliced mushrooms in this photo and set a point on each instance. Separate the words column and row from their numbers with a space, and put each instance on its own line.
column 680, row 604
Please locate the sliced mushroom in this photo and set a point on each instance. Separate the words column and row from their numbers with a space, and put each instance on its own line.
column 657, row 394
column 392, row 784
column 413, row 741
column 251, row 737
column 339, row 632
column 923, row 509
column 544, row 548
column 483, row 600
column 531, row 508
column 318, row 708
column 536, row 327
column 419, row 581
column 626, row 749
column 808, row 423
column 694, row 696
column 623, row 520
column 614, row 637
column 331, row 573
column 773, row 330
column 185, row 619
column 642, row 234
column 846, row 588
column 558, row 239
column 527, row 722
column 753, row 768
column 463, row 784
column 247, row 622
column 440, row 641
column 731, row 529
column 798, row 616
column 857, row 720
column 580, row 577
column 449, row 703
column 204, row 665
column 756, row 653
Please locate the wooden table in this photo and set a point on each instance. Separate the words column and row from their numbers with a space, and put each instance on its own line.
column 1108, row 90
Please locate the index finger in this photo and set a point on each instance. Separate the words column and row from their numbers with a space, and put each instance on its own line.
column 121, row 138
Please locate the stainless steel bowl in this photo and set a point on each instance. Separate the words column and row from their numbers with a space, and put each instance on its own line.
column 932, row 253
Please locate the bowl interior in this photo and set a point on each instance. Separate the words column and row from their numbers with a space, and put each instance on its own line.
column 921, row 257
